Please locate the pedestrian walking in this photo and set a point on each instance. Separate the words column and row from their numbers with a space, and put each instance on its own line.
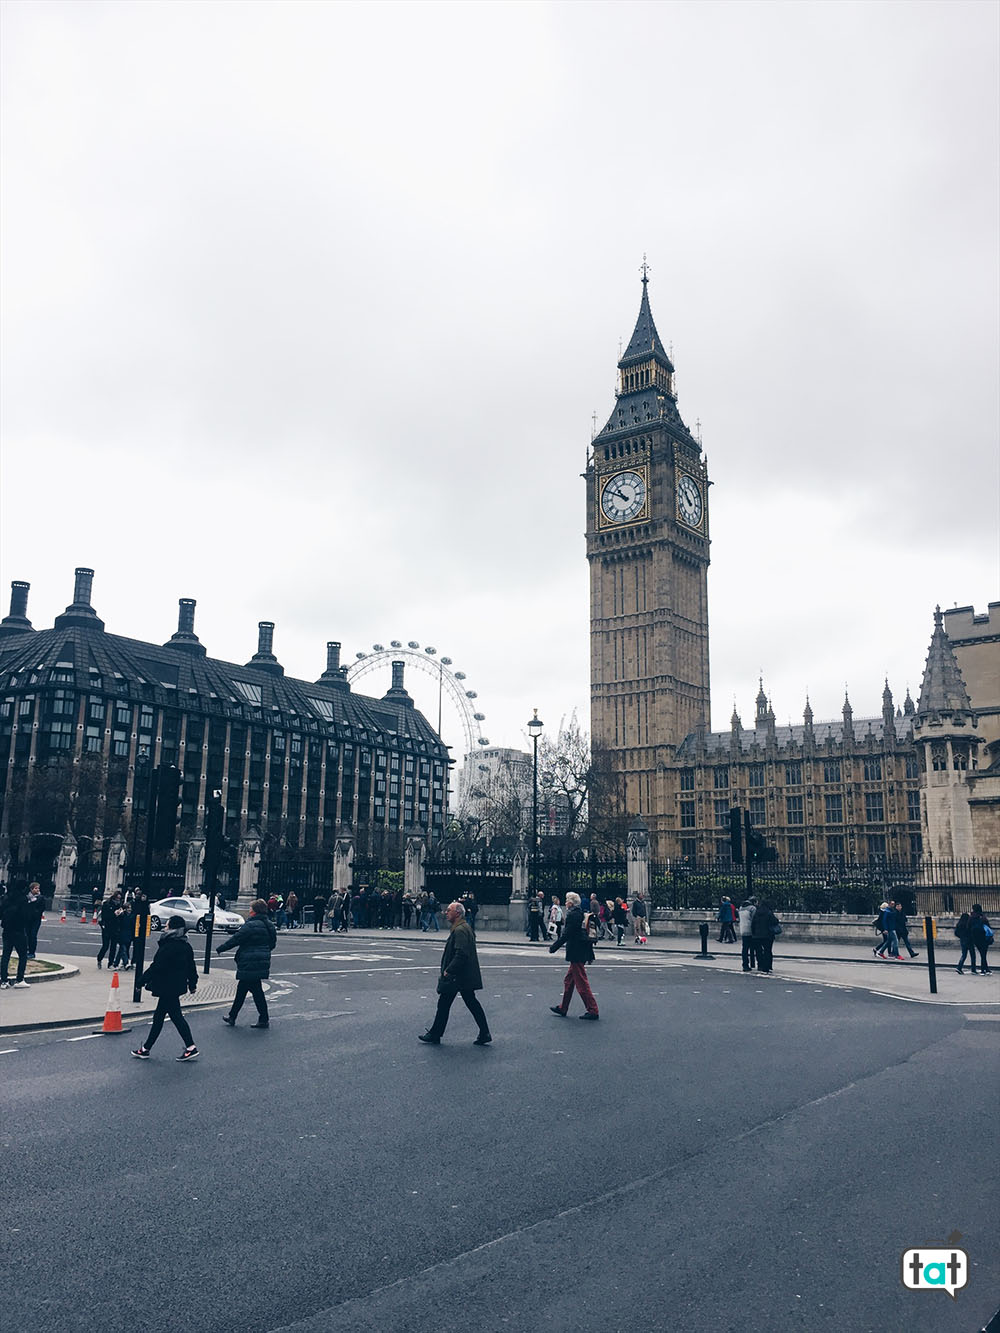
column 36, row 910
column 536, row 917
column 902, row 928
column 980, row 937
column 428, row 915
column 14, row 914
column 964, row 932
column 254, row 943
column 620, row 917
column 471, row 911
column 746, row 915
column 579, row 952
column 460, row 975
column 119, row 957
column 292, row 910
column 555, row 918
column 886, row 923
column 639, row 919
column 110, row 923
column 319, row 911
column 764, row 930
column 726, row 916
column 169, row 976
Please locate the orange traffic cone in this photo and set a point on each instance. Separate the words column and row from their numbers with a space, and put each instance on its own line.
column 63, row 917
column 94, row 918
column 113, row 1014
column 83, row 916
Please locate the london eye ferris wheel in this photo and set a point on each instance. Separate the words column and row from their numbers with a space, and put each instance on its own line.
column 451, row 684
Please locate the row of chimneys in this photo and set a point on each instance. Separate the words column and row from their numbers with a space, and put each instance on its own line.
column 81, row 613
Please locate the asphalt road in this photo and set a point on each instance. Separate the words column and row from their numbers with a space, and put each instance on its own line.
column 717, row 1153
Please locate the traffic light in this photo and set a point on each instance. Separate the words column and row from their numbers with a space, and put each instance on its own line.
column 757, row 848
column 736, row 835
column 168, row 799
column 215, row 820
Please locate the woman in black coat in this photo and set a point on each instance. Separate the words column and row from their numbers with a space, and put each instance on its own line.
column 763, row 930
column 253, row 943
column 171, row 973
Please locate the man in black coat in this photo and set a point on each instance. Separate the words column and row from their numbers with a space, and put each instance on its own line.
column 169, row 975
column 14, row 916
column 579, row 952
column 460, row 975
column 253, row 943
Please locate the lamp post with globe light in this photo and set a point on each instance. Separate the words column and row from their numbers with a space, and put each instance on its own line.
column 534, row 731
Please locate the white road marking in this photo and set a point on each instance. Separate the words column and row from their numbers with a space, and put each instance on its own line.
column 89, row 1037
column 11, row 1050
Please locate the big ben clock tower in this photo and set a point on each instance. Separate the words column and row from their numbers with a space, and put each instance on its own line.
column 648, row 548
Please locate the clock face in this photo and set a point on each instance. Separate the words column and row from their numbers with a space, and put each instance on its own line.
column 689, row 505
column 623, row 496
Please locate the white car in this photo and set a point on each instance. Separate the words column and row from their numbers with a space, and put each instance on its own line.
column 195, row 914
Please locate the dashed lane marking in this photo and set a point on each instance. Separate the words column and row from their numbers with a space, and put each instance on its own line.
column 11, row 1050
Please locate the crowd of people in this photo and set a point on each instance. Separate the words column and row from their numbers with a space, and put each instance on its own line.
column 365, row 908
column 613, row 918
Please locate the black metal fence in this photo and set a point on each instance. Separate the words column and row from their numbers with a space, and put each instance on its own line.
column 792, row 886
column 940, row 887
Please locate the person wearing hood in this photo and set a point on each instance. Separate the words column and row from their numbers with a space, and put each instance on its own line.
column 169, row 976
column 253, row 943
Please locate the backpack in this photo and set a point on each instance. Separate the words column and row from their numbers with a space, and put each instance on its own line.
column 590, row 928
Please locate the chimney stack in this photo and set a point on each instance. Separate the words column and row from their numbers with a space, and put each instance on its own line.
column 80, row 613
column 17, row 621
column 334, row 674
column 398, row 692
column 264, row 659
column 185, row 637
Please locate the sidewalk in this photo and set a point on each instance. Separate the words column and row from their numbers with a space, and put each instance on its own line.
column 78, row 995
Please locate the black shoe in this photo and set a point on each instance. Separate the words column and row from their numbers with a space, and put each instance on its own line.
column 229, row 1021
column 483, row 1039
column 556, row 1010
column 260, row 1024
column 591, row 1017
column 431, row 1041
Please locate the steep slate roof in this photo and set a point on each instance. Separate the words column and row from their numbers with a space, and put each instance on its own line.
column 943, row 689
column 718, row 743
column 645, row 341
column 176, row 677
column 648, row 405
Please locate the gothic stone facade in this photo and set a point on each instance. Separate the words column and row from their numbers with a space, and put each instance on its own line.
column 298, row 762
column 847, row 789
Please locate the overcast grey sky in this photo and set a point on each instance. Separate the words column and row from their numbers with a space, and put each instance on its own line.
column 307, row 309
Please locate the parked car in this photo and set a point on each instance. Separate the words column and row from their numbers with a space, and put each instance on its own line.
column 195, row 914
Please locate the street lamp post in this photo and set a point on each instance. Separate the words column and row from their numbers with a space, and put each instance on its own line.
column 534, row 731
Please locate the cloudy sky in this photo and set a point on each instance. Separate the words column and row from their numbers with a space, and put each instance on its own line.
column 307, row 309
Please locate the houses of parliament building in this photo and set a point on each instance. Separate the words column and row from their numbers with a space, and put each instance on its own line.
column 921, row 779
